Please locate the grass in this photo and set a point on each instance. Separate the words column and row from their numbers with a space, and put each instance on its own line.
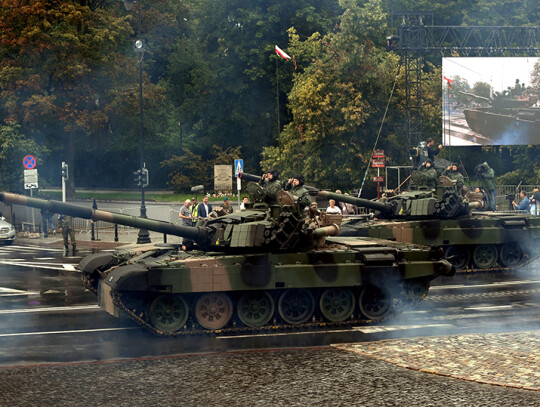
column 132, row 196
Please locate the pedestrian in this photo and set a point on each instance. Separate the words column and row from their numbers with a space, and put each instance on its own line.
column 227, row 207
column 244, row 202
column 524, row 204
column 333, row 208
column 66, row 227
column 487, row 176
column 204, row 209
column 535, row 202
column 185, row 214
column 47, row 222
column 194, row 208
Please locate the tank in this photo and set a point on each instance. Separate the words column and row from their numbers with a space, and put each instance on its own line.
column 471, row 240
column 508, row 119
column 266, row 267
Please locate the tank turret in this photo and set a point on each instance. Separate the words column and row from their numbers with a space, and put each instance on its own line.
column 259, row 228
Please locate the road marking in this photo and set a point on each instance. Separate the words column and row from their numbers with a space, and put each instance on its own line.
column 74, row 331
column 491, row 285
column 12, row 248
column 48, row 266
column 490, row 308
column 375, row 329
column 49, row 309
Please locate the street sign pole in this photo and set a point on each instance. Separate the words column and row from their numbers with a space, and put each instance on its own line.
column 238, row 168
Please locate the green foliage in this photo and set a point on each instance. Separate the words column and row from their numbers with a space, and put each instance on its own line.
column 14, row 146
column 192, row 169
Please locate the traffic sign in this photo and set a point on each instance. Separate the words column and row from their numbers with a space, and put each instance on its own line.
column 29, row 162
column 238, row 167
column 378, row 179
column 378, row 153
column 31, row 179
column 378, row 163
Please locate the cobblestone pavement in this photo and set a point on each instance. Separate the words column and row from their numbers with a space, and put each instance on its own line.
column 503, row 359
column 304, row 377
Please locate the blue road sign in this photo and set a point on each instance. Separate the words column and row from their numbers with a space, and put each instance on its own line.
column 29, row 162
column 238, row 167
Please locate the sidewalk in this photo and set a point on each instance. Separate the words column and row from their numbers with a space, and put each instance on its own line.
column 501, row 359
column 104, row 239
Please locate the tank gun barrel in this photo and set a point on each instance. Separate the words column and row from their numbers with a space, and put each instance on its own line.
column 379, row 206
column 476, row 96
column 249, row 177
column 197, row 234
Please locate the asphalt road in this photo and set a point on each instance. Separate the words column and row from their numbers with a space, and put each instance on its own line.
column 57, row 347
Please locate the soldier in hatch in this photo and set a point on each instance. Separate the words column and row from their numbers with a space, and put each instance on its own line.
column 452, row 172
column 430, row 173
column 271, row 186
column 295, row 186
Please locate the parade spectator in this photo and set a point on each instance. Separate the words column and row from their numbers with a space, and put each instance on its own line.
column 535, row 202
column 204, row 209
column 185, row 214
column 524, row 204
column 66, row 227
column 431, row 150
column 333, row 208
column 244, row 203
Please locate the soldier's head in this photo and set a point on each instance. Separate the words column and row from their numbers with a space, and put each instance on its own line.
column 298, row 180
column 226, row 200
column 454, row 167
column 271, row 175
column 429, row 163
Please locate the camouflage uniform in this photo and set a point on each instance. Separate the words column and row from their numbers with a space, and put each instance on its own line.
column 270, row 188
column 431, row 176
column 299, row 192
column 66, row 223
column 455, row 176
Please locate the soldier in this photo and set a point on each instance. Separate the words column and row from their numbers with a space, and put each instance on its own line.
column 271, row 186
column 452, row 172
column 487, row 176
column 430, row 173
column 227, row 207
column 66, row 227
column 296, row 188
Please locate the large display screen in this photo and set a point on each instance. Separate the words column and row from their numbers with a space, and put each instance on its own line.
column 491, row 101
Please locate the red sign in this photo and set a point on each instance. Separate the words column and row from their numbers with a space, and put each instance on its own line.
column 378, row 153
column 377, row 162
column 378, row 179
column 29, row 162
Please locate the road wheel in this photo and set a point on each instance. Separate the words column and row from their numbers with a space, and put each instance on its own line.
column 255, row 308
column 485, row 256
column 337, row 304
column 511, row 254
column 457, row 255
column 168, row 313
column 375, row 303
column 214, row 310
column 296, row 305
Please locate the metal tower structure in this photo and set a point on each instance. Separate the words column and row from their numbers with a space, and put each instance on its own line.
column 415, row 36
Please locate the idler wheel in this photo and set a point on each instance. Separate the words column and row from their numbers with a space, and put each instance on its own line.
column 457, row 255
column 485, row 255
column 255, row 308
column 296, row 305
column 375, row 303
column 168, row 313
column 511, row 254
column 415, row 289
column 214, row 310
column 337, row 304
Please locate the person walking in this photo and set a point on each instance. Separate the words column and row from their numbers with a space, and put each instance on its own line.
column 66, row 227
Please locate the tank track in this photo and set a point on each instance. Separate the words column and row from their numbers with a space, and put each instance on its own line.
column 499, row 268
column 140, row 318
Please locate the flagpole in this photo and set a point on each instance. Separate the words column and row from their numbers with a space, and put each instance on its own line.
column 277, row 98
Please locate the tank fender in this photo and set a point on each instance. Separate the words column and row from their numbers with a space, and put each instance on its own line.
column 131, row 277
column 96, row 261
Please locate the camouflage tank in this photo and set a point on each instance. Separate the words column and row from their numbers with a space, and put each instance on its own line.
column 269, row 266
column 508, row 118
column 471, row 240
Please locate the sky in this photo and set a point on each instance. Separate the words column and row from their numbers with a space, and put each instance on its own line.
column 499, row 72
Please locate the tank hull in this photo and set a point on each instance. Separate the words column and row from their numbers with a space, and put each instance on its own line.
column 508, row 240
column 506, row 126
column 329, row 285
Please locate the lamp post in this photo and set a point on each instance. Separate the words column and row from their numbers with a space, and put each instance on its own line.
column 144, row 236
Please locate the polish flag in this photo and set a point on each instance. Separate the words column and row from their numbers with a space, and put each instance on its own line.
column 282, row 53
